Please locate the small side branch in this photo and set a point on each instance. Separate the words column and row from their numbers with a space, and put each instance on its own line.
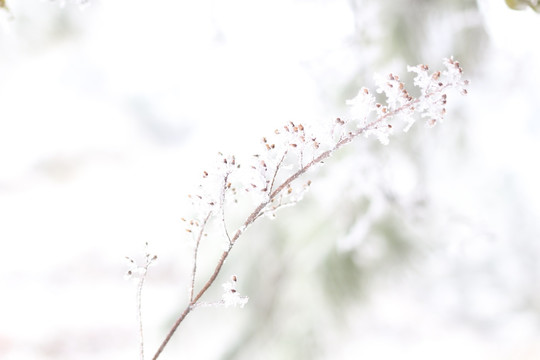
column 139, row 314
column 222, row 204
column 139, row 273
column 195, row 253
column 278, row 166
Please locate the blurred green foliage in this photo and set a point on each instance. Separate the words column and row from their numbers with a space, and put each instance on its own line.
column 304, row 285
column 523, row 4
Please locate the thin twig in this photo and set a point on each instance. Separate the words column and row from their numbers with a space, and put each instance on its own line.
column 139, row 312
column 143, row 271
column 222, row 204
column 195, row 252
column 276, row 171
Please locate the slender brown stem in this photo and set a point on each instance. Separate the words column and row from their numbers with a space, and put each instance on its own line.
column 277, row 170
column 222, row 205
column 170, row 334
column 139, row 312
column 195, row 253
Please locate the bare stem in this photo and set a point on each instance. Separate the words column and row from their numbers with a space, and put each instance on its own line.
column 277, row 170
column 139, row 313
column 173, row 329
column 222, row 205
column 195, row 252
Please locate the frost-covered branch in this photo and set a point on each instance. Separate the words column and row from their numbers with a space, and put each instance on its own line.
column 272, row 178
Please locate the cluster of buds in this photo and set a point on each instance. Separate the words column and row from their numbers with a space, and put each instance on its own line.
column 137, row 271
column 294, row 148
column 433, row 86
column 272, row 176
column 374, row 118
column 212, row 192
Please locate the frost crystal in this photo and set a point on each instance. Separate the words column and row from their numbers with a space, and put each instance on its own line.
column 422, row 78
column 400, row 104
column 362, row 105
column 231, row 297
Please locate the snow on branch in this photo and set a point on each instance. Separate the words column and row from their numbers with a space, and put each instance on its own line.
column 273, row 177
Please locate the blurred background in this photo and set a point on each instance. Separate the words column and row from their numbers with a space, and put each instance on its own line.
column 110, row 110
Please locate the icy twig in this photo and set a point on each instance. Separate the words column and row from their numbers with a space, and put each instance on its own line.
column 369, row 118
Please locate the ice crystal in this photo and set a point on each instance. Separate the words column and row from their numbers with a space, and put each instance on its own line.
column 362, row 105
column 231, row 297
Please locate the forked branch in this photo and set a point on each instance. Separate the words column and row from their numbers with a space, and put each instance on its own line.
column 370, row 118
